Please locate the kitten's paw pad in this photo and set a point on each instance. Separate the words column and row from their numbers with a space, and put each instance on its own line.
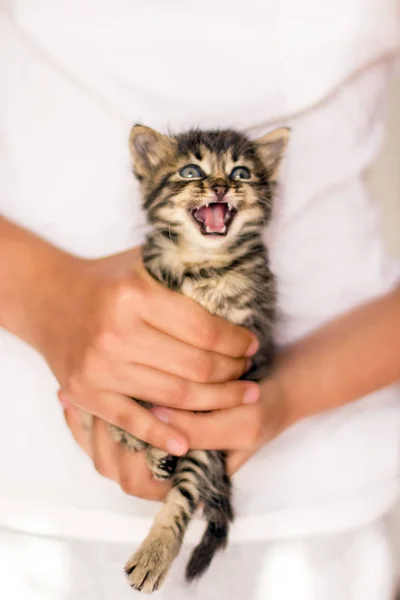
column 147, row 568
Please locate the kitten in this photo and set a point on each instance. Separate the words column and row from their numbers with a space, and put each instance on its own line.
column 208, row 196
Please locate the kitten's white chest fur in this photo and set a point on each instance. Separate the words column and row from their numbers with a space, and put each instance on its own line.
column 218, row 295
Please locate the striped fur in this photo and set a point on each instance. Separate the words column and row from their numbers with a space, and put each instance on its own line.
column 228, row 275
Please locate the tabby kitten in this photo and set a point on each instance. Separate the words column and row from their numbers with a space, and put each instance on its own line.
column 208, row 196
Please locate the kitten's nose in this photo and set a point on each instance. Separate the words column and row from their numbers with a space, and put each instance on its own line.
column 219, row 191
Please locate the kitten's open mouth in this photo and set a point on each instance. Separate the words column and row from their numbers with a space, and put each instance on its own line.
column 214, row 218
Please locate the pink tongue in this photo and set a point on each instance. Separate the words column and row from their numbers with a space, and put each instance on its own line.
column 213, row 216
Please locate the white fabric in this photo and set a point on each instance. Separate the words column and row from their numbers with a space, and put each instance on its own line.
column 357, row 565
column 73, row 77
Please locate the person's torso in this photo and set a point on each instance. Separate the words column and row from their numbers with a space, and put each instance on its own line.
column 74, row 77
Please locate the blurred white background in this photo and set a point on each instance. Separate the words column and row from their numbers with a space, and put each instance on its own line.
column 384, row 180
column 384, row 177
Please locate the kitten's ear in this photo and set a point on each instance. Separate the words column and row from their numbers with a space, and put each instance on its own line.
column 271, row 148
column 149, row 148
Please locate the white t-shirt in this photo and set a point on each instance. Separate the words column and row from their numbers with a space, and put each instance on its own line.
column 74, row 76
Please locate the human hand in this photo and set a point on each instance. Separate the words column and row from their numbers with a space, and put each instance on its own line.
column 112, row 333
column 241, row 430
column 111, row 459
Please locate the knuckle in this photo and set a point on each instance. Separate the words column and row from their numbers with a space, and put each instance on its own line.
column 179, row 392
column 240, row 366
column 125, row 303
column 240, row 340
column 122, row 290
column 151, row 433
column 122, row 420
column 128, row 292
column 128, row 423
column 202, row 369
column 105, row 340
column 206, row 335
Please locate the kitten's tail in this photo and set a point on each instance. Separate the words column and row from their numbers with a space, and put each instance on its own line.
column 215, row 538
column 219, row 514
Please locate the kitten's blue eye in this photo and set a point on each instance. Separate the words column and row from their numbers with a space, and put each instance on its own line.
column 191, row 172
column 240, row 173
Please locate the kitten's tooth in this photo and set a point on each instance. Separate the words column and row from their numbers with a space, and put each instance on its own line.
column 208, row 229
column 207, row 205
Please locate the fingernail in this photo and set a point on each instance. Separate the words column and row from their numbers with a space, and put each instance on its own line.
column 161, row 414
column 251, row 394
column 252, row 349
column 175, row 447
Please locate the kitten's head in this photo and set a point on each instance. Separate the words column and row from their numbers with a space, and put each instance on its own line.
column 207, row 187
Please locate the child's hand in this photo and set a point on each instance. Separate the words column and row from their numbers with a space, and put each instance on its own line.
column 111, row 459
column 110, row 333
column 241, row 430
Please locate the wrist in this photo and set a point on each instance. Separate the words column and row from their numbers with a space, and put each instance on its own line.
column 277, row 409
column 48, row 310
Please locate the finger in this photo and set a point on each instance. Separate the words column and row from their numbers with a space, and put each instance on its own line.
column 135, row 478
column 239, row 428
column 164, row 389
column 114, row 461
column 184, row 319
column 177, row 358
column 80, row 433
column 131, row 417
column 104, row 450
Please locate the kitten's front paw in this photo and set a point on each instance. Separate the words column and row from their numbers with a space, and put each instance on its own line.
column 147, row 568
column 161, row 464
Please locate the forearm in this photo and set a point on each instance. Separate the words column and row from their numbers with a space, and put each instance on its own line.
column 29, row 271
column 346, row 359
